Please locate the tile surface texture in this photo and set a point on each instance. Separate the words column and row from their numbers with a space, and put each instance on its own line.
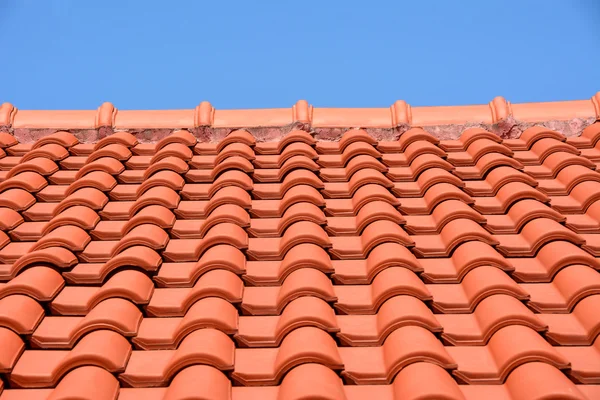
column 425, row 253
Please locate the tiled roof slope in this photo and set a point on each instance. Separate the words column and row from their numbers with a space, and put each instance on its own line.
column 139, row 259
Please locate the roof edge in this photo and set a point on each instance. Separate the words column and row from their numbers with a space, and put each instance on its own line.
column 446, row 122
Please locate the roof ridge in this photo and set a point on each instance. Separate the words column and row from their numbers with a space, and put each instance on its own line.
column 499, row 116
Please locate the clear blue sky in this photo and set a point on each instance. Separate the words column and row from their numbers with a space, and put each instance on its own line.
column 59, row 54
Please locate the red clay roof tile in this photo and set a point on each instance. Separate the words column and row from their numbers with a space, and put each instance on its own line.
column 408, row 252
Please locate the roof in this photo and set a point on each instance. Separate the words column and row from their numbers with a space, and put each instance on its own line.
column 401, row 253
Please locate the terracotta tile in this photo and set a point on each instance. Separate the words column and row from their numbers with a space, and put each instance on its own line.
column 174, row 302
column 197, row 228
column 16, row 199
column 506, row 196
column 567, row 179
column 9, row 162
column 364, row 195
column 235, row 163
column 381, row 257
column 426, row 179
column 507, row 349
column 44, row 368
column 490, row 315
column 62, row 138
column 539, row 380
column 205, row 191
column 192, row 249
column 578, row 328
column 519, row 214
column 477, row 149
column 453, row 234
column 38, row 282
column 589, row 222
column 52, row 194
column 105, row 164
column 172, row 164
column 73, row 163
column 196, row 381
column 115, row 230
column 359, row 247
column 371, row 212
column 496, row 179
column 585, row 362
column 144, row 149
column 275, row 227
column 13, row 251
column 82, row 149
column 304, row 255
column 138, row 163
column 433, row 197
column 9, row 219
column 68, row 236
column 325, row 384
column 52, row 151
column 530, row 136
column 542, row 148
column 186, row 274
column 419, row 165
column 173, row 150
column 20, row 313
column 59, row 257
column 113, row 314
column 140, row 257
column 412, row 151
column 359, row 179
column 157, row 367
column 533, row 236
column 351, row 151
column 201, row 209
column 269, row 331
column 96, row 179
column 442, row 214
column 366, row 299
column 277, row 191
column 237, row 136
column 404, row 346
column 588, row 138
column 231, row 150
column 87, row 197
column 62, row 177
column 12, row 348
column 579, row 199
column 477, row 284
column 351, row 136
column 79, row 300
column 274, row 249
column 345, row 173
column 486, row 164
column 41, row 166
column 396, row 312
column 271, row 300
column 554, row 163
column 116, row 150
column 258, row 367
column 466, row 138
column 276, row 208
column 277, row 147
column 167, row 333
column 569, row 286
column 550, row 259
